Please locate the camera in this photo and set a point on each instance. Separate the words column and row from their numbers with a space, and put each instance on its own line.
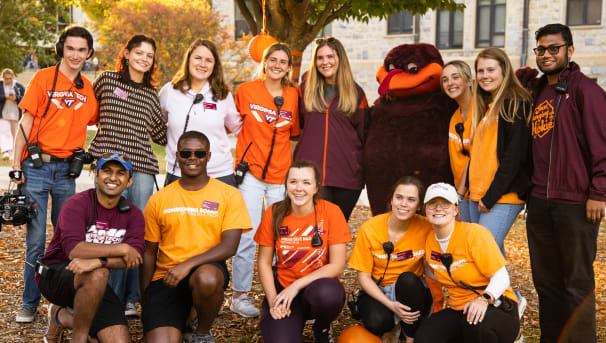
column 35, row 153
column 241, row 170
column 79, row 158
column 16, row 208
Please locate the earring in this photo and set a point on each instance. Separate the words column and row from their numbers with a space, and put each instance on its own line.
column 126, row 62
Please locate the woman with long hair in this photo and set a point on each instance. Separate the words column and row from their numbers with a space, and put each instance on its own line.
column 464, row 258
column 388, row 256
column 129, row 115
column 308, row 236
column 264, row 146
column 457, row 83
column 333, row 113
column 198, row 99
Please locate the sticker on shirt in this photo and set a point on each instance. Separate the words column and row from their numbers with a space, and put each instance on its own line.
column 268, row 115
column 101, row 233
column 121, row 93
column 542, row 119
column 209, row 106
column 404, row 255
column 284, row 231
column 67, row 98
column 435, row 256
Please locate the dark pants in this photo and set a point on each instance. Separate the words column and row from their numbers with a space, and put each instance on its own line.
column 411, row 291
column 500, row 325
column 321, row 300
column 346, row 199
column 562, row 246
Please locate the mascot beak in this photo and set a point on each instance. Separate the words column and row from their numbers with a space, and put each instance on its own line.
column 384, row 77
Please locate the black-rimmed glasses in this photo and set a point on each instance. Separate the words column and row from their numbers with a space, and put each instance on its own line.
column 553, row 49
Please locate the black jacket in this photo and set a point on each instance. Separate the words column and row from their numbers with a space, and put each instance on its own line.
column 19, row 92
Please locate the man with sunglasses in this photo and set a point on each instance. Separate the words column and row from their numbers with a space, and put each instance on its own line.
column 568, row 193
column 192, row 226
column 97, row 230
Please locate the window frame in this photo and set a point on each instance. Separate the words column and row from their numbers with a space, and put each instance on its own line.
column 492, row 32
column 406, row 32
column 451, row 29
column 584, row 15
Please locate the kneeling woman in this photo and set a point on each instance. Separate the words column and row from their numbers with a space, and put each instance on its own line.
column 388, row 256
column 466, row 260
column 308, row 235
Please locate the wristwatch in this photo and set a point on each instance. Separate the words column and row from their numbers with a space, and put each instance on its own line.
column 487, row 297
column 103, row 261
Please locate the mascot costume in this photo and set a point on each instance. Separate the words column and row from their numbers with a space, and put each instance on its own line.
column 408, row 132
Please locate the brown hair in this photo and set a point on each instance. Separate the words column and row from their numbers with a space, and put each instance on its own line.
column 283, row 208
column 149, row 77
column 182, row 79
column 408, row 180
column 286, row 80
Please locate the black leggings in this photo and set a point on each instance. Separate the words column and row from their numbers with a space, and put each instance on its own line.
column 321, row 300
column 500, row 325
column 411, row 291
column 346, row 199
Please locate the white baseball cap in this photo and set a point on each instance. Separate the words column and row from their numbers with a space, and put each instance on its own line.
column 441, row 190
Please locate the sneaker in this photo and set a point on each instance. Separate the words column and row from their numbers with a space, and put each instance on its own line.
column 54, row 331
column 323, row 336
column 193, row 337
column 243, row 307
column 131, row 310
column 521, row 303
column 26, row 315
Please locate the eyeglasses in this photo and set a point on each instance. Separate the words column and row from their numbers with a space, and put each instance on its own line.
column 433, row 204
column 110, row 155
column 197, row 153
column 553, row 49
column 328, row 39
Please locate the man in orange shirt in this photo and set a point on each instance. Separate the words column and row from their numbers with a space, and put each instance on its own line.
column 57, row 106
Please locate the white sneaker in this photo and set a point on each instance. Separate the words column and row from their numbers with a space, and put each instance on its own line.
column 131, row 310
column 521, row 303
column 243, row 307
column 26, row 315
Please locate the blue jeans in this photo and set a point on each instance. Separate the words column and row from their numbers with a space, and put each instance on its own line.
column 498, row 221
column 51, row 179
column 464, row 214
column 253, row 191
column 140, row 190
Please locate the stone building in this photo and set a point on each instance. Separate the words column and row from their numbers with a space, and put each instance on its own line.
column 483, row 23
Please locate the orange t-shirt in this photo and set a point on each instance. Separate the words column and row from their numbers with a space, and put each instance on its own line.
column 476, row 257
column 368, row 255
column 63, row 129
column 258, row 110
column 458, row 161
column 484, row 162
column 296, row 256
column 188, row 223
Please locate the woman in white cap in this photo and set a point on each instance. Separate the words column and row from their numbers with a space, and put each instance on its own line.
column 465, row 259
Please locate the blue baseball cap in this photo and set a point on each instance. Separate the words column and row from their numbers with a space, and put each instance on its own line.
column 118, row 157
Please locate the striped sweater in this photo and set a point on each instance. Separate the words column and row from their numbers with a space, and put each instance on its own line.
column 129, row 115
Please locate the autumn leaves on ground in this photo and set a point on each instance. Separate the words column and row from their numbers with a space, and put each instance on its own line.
column 231, row 328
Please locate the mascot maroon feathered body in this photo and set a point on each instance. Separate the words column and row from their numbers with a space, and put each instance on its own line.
column 408, row 132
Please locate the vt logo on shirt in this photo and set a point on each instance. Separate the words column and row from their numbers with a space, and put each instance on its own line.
column 67, row 98
column 542, row 119
column 268, row 115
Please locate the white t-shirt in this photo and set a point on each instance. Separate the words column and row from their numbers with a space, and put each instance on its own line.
column 210, row 116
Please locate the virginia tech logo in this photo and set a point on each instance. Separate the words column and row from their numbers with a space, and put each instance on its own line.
column 542, row 119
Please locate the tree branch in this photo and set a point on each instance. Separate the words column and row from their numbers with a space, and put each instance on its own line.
column 250, row 20
column 276, row 18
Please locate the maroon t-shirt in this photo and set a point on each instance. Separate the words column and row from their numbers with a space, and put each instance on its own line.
column 542, row 124
column 111, row 227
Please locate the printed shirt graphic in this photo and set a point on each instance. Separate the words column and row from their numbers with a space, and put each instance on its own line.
column 476, row 257
column 542, row 123
column 259, row 114
column 63, row 129
column 102, row 233
column 296, row 256
column 368, row 255
column 189, row 223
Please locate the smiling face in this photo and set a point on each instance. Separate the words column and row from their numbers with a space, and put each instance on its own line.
column 553, row 64
column 201, row 64
column 440, row 212
column 112, row 179
column 301, row 186
column 192, row 166
column 327, row 63
column 75, row 52
column 140, row 59
column 276, row 66
column 489, row 75
column 453, row 83
column 405, row 202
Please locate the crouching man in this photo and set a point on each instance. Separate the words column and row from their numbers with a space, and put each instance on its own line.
column 97, row 230
column 191, row 227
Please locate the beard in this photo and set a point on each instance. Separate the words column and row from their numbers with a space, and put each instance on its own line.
column 558, row 69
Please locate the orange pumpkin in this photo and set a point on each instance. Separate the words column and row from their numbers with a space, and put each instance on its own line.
column 358, row 334
column 258, row 44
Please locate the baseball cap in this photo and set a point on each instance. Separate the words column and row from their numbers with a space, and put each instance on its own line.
column 441, row 190
column 118, row 157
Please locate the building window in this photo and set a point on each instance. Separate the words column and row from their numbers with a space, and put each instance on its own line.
column 584, row 12
column 490, row 27
column 400, row 23
column 240, row 23
column 449, row 32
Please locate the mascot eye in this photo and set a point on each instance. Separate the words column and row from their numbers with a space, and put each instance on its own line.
column 390, row 67
column 412, row 68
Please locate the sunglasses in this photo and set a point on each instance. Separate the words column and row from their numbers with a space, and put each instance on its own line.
column 110, row 155
column 328, row 39
column 197, row 153
column 553, row 49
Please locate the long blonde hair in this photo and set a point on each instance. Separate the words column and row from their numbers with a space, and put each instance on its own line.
column 286, row 80
column 314, row 90
column 510, row 89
